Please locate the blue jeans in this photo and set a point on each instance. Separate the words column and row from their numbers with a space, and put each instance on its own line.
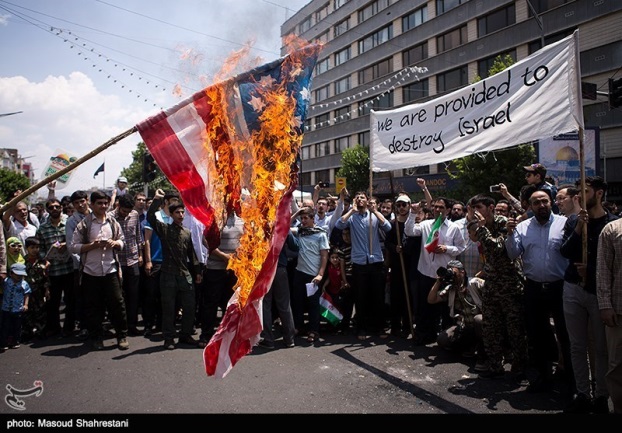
column 582, row 316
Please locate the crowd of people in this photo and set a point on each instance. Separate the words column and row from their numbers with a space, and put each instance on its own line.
column 533, row 282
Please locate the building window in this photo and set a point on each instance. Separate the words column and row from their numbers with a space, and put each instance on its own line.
column 304, row 178
column 322, row 66
column 451, row 39
column 339, row 3
column 321, row 13
column 342, row 56
column 375, row 71
column 414, row 55
column 381, row 36
column 322, row 175
column 305, row 152
column 326, row 146
column 372, row 9
column 321, row 94
column 383, row 103
column 484, row 65
column 443, row 6
column 364, row 138
column 342, row 27
column 415, row 91
column 342, row 114
column 342, row 144
column 322, row 121
column 544, row 5
column 317, row 150
column 452, row 79
column 342, row 85
column 496, row 20
column 323, row 38
column 415, row 19
column 304, row 25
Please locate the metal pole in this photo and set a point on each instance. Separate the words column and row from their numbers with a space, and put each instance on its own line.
column 539, row 21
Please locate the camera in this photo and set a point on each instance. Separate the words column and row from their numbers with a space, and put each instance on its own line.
column 495, row 188
column 323, row 184
column 446, row 275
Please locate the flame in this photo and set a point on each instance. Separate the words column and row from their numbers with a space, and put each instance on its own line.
column 261, row 162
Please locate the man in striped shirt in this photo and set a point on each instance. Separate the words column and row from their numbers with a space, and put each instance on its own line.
column 609, row 293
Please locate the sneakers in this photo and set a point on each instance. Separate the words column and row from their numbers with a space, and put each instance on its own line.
column 133, row 331
column 580, row 404
column 189, row 340
column 482, row 365
column 600, row 405
column 123, row 344
column 97, row 345
column 148, row 331
column 289, row 344
column 15, row 346
column 266, row 344
column 169, row 344
column 83, row 334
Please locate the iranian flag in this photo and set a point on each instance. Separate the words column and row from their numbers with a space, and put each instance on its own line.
column 433, row 238
column 328, row 310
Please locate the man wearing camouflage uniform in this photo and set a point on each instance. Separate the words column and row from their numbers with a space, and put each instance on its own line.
column 502, row 294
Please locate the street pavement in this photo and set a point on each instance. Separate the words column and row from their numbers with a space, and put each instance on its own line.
column 339, row 375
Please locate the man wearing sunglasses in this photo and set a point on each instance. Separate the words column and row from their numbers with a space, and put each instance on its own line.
column 18, row 222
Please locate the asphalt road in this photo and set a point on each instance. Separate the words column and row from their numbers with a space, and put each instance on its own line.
column 340, row 375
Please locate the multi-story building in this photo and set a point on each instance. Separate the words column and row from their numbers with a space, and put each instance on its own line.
column 369, row 43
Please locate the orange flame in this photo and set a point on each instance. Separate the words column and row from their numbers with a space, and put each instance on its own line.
column 272, row 152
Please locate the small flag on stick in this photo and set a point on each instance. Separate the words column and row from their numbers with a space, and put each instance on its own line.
column 99, row 170
column 328, row 310
column 432, row 242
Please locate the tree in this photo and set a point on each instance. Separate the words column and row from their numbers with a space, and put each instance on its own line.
column 477, row 172
column 134, row 173
column 10, row 182
column 355, row 168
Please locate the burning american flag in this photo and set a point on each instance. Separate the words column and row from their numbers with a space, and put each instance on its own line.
column 240, row 134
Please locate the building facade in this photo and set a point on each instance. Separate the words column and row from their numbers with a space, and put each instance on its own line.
column 370, row 44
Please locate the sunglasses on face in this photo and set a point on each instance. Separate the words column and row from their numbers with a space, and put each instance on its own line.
column 15, row 245
column 401, row 204
column 54, row 206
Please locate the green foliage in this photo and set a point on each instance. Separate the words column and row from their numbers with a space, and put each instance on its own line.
column 10, row 182
column 134, row 174
column 476, row 173
column 355, row 168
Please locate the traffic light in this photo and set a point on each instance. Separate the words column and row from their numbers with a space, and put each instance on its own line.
column 615, row 93
column 149, row 168
column 589, row 90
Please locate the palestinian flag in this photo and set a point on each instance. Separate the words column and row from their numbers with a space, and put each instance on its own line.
column 433, row 238
column 328, row 309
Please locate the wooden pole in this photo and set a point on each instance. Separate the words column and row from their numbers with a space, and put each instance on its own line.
column 371, row 192
column 67, row 169
column 404, row 278
column 583, row 202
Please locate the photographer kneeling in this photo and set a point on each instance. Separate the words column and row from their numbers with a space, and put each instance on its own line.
column 465, row 306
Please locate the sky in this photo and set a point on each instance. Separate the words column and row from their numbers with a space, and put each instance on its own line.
column 81, row 72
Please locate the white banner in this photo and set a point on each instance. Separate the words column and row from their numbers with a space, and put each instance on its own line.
column 539, row 96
